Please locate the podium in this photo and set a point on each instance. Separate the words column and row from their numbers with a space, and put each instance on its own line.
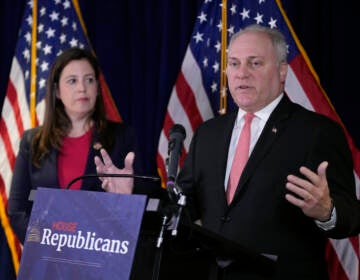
column 193, row 254
column 76, row 234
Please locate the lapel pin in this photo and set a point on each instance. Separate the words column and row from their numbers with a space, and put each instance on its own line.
column 97, row 146
column 274, row 130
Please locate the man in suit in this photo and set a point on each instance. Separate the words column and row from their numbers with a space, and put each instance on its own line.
column 297, row 187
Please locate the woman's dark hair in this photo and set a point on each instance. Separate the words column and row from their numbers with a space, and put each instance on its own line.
column 56, row 123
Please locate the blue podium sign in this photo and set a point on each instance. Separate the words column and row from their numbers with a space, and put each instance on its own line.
column 81, row 235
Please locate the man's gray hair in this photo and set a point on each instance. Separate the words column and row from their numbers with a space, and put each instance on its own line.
column 276, row 37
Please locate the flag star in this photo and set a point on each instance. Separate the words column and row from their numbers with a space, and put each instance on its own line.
column 26, row 54
column 57, row 2
column 42, row 83
column 233, row 9
column 28, row 37
column 54, row 16
column 198, row 37
column 245, row 14
column 73, row 42
column 40, row 28
column 205, row 62
column 258, row 18
column 42, row 11
column 218, row 46
column 38, row 44
column 66, row 5
column 231, row 30
column 272, row 23
column 64, row 21
column 261, row 1
column 219, row 26
column 214, row 86
column 208, row 42
column 202, row 17
column 216, row 67
column 30, row 3
column 47, row 49
column 29, row 20
column 44, row 66
column 74, row 26
column 62, row 38
column 50, row 33
column 27, row 74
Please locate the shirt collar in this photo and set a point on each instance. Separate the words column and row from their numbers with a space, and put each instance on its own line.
column 262, row 114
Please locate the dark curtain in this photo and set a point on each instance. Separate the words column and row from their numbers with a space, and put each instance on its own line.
column 140, row 45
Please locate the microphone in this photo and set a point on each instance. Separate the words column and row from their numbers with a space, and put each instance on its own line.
column 176, row 137
column 110, row 175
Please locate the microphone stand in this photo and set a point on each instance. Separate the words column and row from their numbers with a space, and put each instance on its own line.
column 176, row 195
column 177, row 135
column 159, row 251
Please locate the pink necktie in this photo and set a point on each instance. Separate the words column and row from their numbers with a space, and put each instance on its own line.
column 240, row 157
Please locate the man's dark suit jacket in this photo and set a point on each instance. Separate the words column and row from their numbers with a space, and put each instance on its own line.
column 27, row 177
column 259, row 216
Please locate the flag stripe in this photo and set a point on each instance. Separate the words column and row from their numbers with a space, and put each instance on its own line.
column 348, row 257
column 7, row 144
column 295, row 90
column 338, row 272
column 319, row 102
column 192, row 73
column 12, row 97
column 187, row 100
column 17, row 81
column 6, row 173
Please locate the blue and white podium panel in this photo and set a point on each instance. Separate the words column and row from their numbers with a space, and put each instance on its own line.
column 81, row 235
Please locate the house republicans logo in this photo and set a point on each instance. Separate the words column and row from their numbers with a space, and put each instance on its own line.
column 64, row 235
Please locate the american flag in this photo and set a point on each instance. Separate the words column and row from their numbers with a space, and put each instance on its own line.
column 48, row 27
column 198, row 93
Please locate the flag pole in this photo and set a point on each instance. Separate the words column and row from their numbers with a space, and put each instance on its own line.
column 33, row 66
column 223, row 95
